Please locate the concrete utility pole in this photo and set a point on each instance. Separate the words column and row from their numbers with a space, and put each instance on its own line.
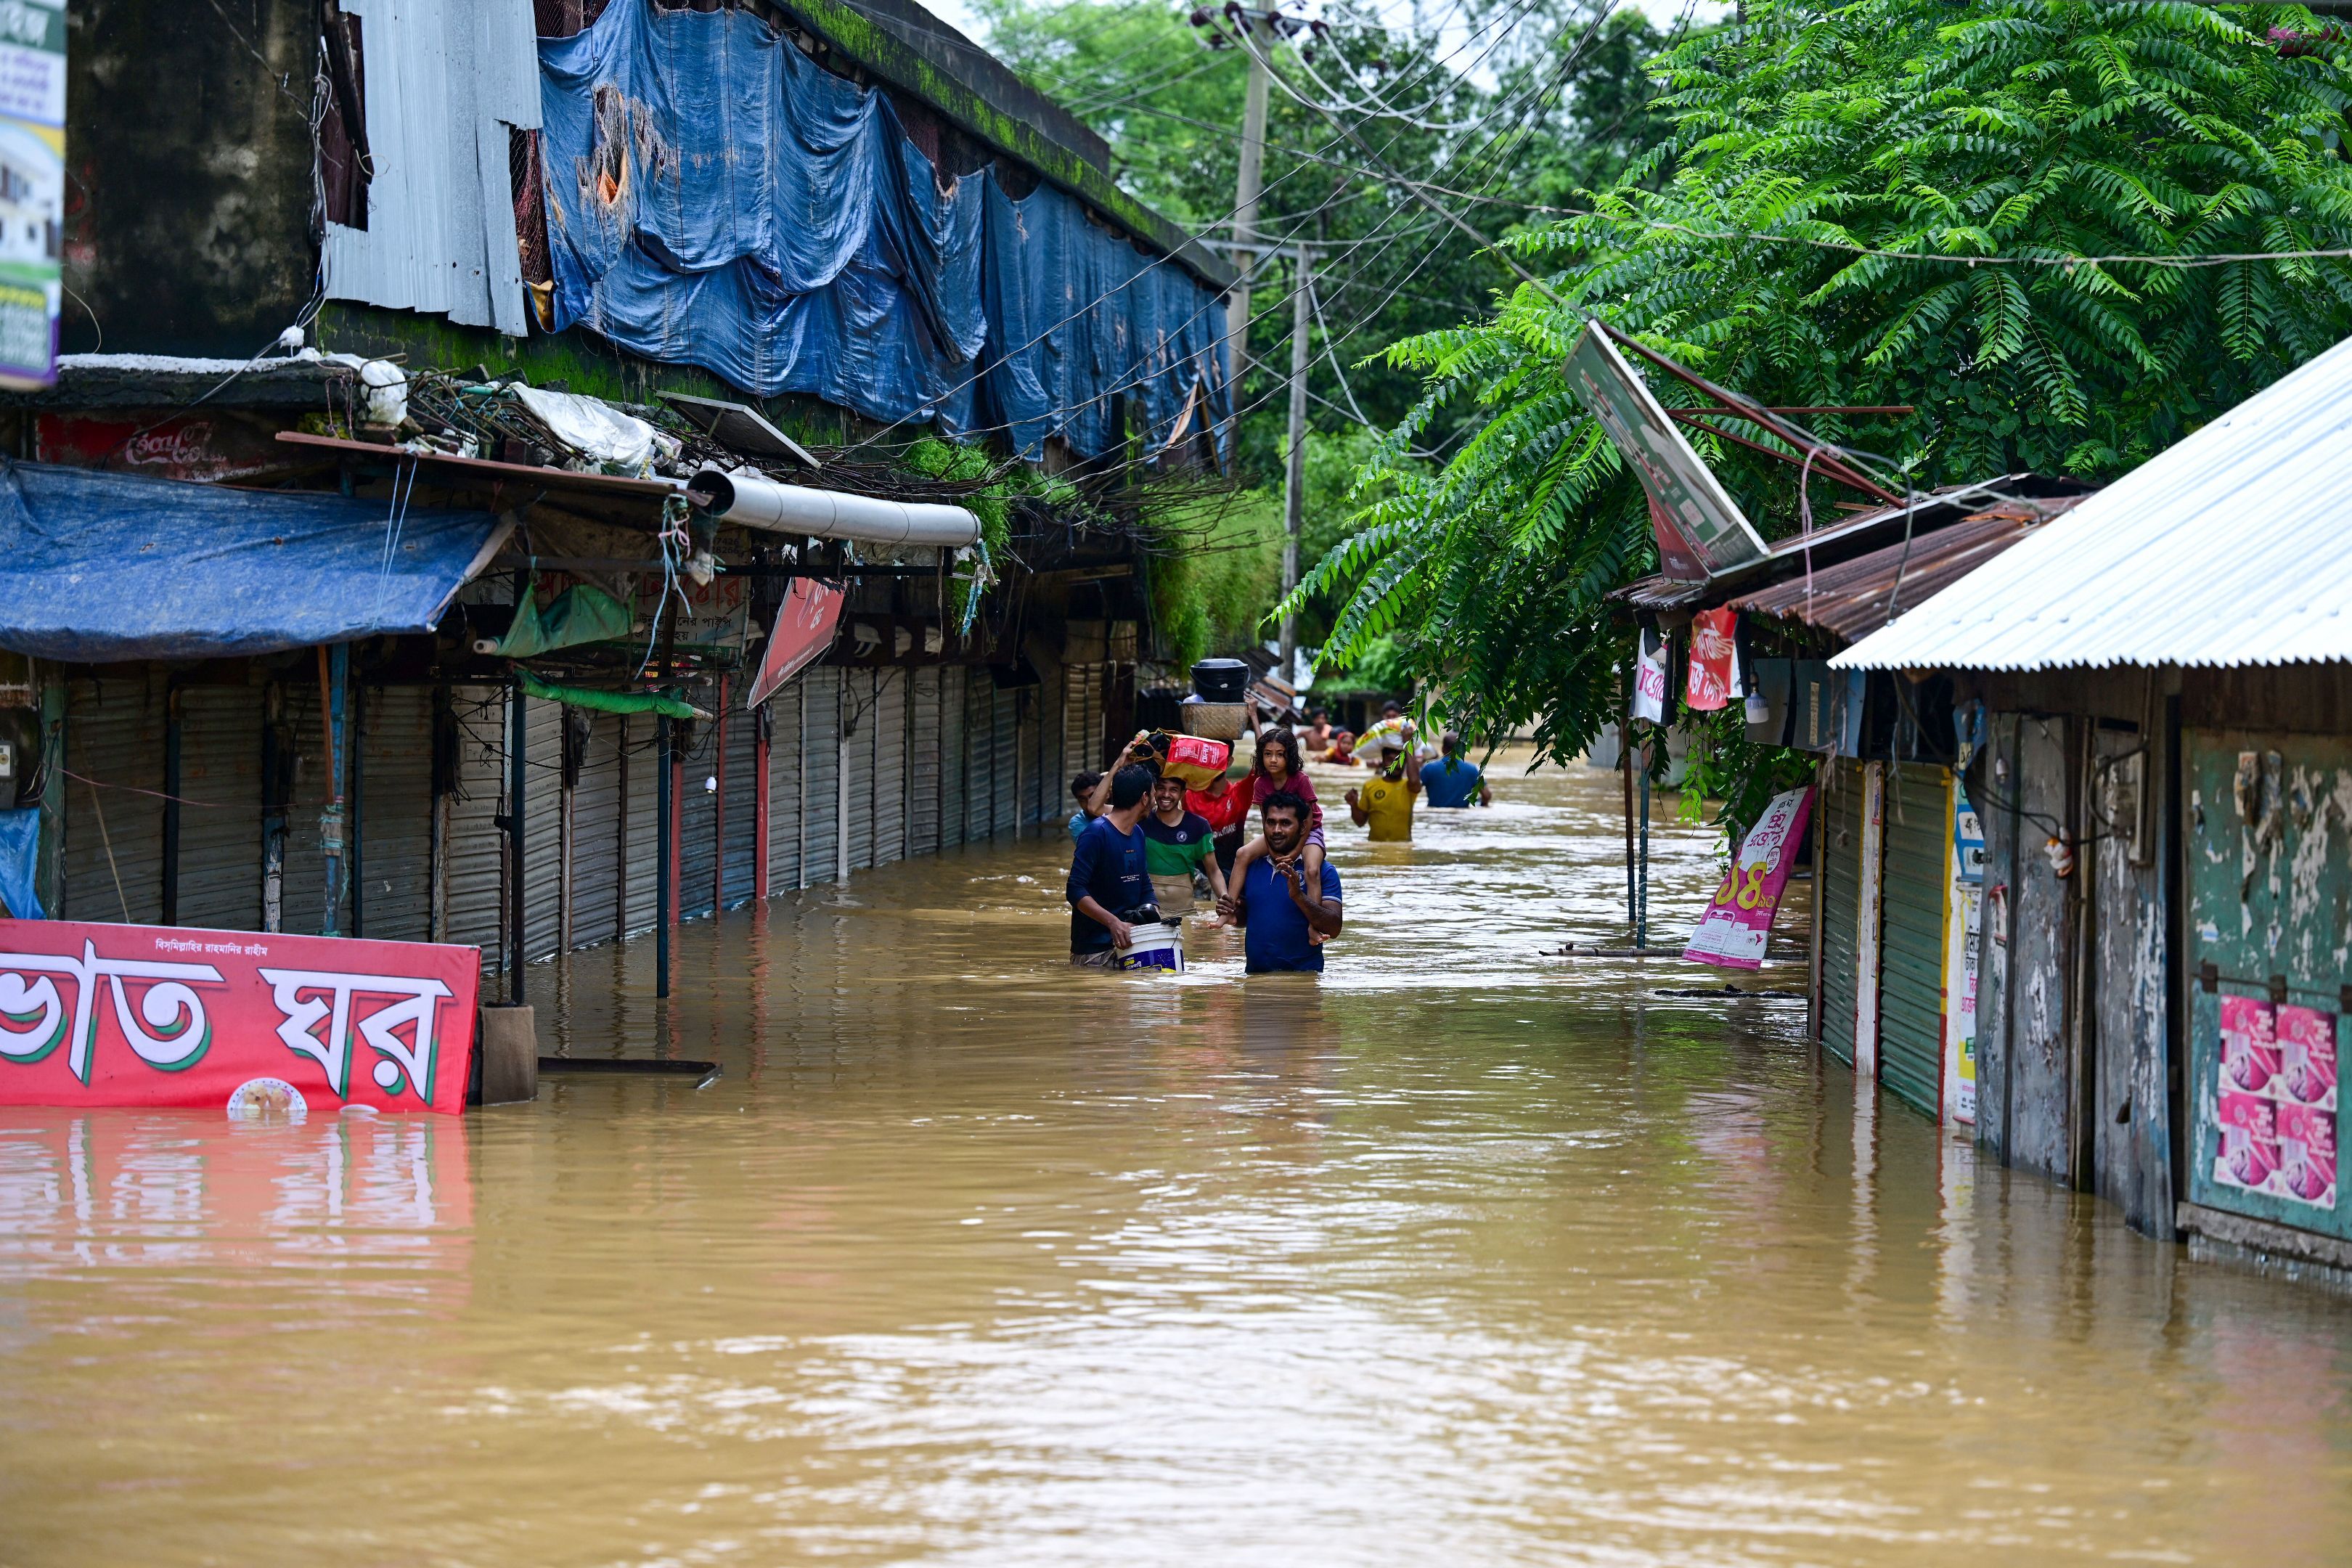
column 1245, row 195
column 1294, row 484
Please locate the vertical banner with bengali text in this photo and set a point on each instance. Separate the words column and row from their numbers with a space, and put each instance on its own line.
column 32, row 187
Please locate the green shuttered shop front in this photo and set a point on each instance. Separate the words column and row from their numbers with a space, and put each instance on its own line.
column 1911, row 983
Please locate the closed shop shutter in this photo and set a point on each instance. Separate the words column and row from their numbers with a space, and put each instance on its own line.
column 1005, row 782
column 955, row 771
column 598, row 867
column 785, row 790
column 980, row 754
column 1028, row 704
column 739, row 850
column 220, row 838
column 890, row 767
column 114, row 736
column 1841, row 897
column 698, row 823
column 391, row 894
column 820, row 768
column 923, row 762
column 475, row 856
column 1082, row 719
column 542, row 829
column 304, row 911
column 1049, row 783
column 1918, row 881
column 858, row 708
column 639, row 827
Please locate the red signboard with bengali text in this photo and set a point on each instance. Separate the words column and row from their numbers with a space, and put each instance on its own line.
column 247, row 1022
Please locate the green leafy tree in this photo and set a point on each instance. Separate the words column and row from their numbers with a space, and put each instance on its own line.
column 1891, row 202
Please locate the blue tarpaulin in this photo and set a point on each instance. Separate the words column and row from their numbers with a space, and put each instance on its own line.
column 96, row 567
column 715, row 197
column 20, row 863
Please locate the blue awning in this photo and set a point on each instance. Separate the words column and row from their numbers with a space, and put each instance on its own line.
column 99, row 567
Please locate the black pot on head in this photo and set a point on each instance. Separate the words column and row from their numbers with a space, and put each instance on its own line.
column 1221, row 679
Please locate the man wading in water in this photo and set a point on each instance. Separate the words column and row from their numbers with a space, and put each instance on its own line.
column 1178, row 845
column 1273, row 906
column 1108, row 875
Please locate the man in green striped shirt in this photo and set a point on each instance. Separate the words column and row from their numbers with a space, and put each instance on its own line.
column 1178, row 845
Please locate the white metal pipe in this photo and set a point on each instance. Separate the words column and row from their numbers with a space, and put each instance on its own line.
column 754, row 501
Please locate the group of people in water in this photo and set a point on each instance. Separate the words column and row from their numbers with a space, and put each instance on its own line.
column 1146, row 843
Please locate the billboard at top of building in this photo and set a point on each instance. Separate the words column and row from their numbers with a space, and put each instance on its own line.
column 32, row 187
column 1700, row 530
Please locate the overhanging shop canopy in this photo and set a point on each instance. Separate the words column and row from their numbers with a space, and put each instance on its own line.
column 97, row 567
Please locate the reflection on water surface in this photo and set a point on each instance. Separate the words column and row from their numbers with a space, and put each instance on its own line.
column 1462, row 1256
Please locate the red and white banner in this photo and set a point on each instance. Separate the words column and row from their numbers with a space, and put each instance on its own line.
column 806, row 623
column 251, row 1023
column 1732, row 931
column 1714, row 661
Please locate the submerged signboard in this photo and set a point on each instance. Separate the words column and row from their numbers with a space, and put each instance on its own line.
column 1738, row 919
column 1700, row 530
column 242, row 1021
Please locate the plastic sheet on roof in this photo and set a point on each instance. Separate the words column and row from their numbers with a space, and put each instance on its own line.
column 99, row 568
column 714, row 197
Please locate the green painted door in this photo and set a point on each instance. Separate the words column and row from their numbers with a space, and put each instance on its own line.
column 1911, row 983
column 2269, row 841
column 1840, row 896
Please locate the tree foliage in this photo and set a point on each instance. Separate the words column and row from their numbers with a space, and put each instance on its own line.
column 1805, row 234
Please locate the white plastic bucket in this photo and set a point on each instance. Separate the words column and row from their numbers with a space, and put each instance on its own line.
column 1159, row 945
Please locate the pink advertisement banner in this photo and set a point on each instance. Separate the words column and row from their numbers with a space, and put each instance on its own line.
column 255, row 1023
column 1738, row 919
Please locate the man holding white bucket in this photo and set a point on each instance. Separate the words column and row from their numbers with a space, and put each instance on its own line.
column 1108, row 879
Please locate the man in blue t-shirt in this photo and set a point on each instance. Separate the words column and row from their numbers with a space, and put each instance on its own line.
column 1453, row 779
column 1109, row 876
column 1272, row 906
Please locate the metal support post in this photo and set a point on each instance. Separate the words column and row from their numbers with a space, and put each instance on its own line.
column 1294, row 485
column 666, row 807
column 518, row 784
column 1245, row 196
column 171, row 806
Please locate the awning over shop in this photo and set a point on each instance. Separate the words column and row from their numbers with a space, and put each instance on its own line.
column 97, row 567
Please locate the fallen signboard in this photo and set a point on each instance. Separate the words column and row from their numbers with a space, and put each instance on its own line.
column 250, row 1022
column 1738, row 921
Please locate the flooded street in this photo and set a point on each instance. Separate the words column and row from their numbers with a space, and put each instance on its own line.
column 1466, row 1254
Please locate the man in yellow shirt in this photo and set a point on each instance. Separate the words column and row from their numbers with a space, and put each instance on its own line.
column 1386, row 803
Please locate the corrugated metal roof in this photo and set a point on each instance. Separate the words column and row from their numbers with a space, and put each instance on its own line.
column 445, row 81
column 2233, row 547
column 1850, row 600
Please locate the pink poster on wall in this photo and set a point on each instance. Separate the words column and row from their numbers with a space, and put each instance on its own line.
column 2274, row 1101
column 1738, row 919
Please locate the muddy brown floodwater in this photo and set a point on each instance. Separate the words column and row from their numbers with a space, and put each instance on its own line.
column 1463, row 1255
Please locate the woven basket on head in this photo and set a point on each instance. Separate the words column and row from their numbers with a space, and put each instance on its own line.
column 1214, row 720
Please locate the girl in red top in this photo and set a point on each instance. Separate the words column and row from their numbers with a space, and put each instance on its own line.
column 1280, row 767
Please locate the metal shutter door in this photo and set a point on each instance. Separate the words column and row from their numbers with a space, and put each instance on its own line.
column 1027, row 705
column 890, row 767
column 542, row 829
column 304, row 909
column 1081, row 720
column 392, row 894
column 1004, row 758
column 980, row 753
column 220, row 838
column 598, row 866
column 955, row 766
column 858, row 710
column 1840, row 896
column 698, row 825
column 923, row 764
column 641, row 825
column 819, row 766
column 784, row 789
column 1911, row 990
column 114, row 837
column 1049, row 783
column 738, row 875
column 476, row 851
